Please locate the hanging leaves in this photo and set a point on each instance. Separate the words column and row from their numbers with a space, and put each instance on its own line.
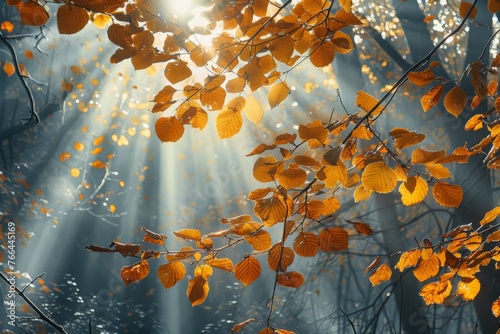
column 136, row 272
column 432, row 97
column 188, row 234
column 428, row 266
column 260, row 240
column 278, row 93
column 171, row 273
column 448, row 195
column 197, row 290
column 436, row 292
column 322, row 53
column 379, row 177
column 383, row 273
column 367, row 102
column 228, row 123
column 468, row 288
column 248, row 270
column 413, row 191
column 279, row 258
column 169, row 129
column 408, row 259
column 455, row 101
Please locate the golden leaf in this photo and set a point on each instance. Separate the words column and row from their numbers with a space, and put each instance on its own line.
column 261, row 148
column 495, row 307
column 405, row 138
column 367, row 102
column 438, row 171
column 342, row 43
column 408, row 259
column 383, row 273
column 490, row 216
column 169, row 129
column 322, row 53
column 379, row 177
column 176, row 71
column 253, row 110
column 413, row 191
column 136, row 272
column 455, row 101
column 278, row 93
column 427, row 267
column 236, row 220
column 271, row 210
column 171, row 273
column 197, row 290
column 448, row 195
column 435, row 292
column 421, row 156
column 228, row 123
column 331, row 175
column 290, row 279
column 468, row 288
column 260, row 240
column 267, row 169
column 282, row 48
column 292, row 178
column 222, row 263
column 248, row 270
column 242, row 324
column 188, row 234
column 333, row 239
column 421, row 79
column 432, row 97
column 330, row 205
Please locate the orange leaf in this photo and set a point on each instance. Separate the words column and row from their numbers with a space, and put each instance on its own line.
column 490, row 216
column 405, row 138
column 361, row 193
column 468, row 288
column 271, row 210
column 322, row 53
column 455, row 101
column 188, row 234
column 153, row 237
column 290, row 279
column 379, row 177
column 126, row 249
column 363, row 228
column 413, row 191
column 421, row 156
column 493, row 7
column 242, row 324
column 9, row 68
column 438, row 171
column 136, row 272
column 432, row 97
column 98, row 164
column 428, row 18
column 427, row 267
column 292, row 178
column 279, row 258
column 314, row 131
column 282, row 48
column 465, row 7
column 222, row 263
column 75, row 172
column 278, row 93
column 333, row 239
column 266, row 168
column 169, row 129
column 228, row 123
column 246, row 228
column 383, row 273
column 260, row 240
column 258, row 193
column 495, row 307
column 367, row 102
column 448, row 195
column 71, row 20
column 331, row 175
column 248, row 270
column 171, row 273
column 236, row 220
column 306, row 244
column 342, row 43
column 260, row 149
column 64, row 156
column 176, row 71
column 435, row 292
column 421, row 79
column 408, row 259
column 330, row 205
column 9, row 27
column 197, row 290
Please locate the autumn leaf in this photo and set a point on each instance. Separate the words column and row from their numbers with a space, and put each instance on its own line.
column 446, row 194
column 253, row 110
column 242, row 324
column 152, row 237
column 490, row 216
column 171, row 273
column 333, row 239
column 464, row 9
column 188, row 234
column 432, row 97
column 278, row 93
column 290, row 279
column 427, row 267
column 169, row 129
column 408, row 259
column 126, row 249
column 136, row 272
column 176, row 71
column 292, row 178
column 367, row 102
column 468, row 288
column 248, row 270
column 421, row 79
column 279, row 258
column 495, row 307
column 421, row 156
column 413, row 191
column 71, row 20
column 221, row 263
column 379, row 177
column 197, row 290
column 266, row 168
column 306, row 244
column 260, row 240
column 383, row 273
column 405, row 138
column 322, row 53
column 436, row 292
column 455, row 101
column 32, row 13
column 9, row 68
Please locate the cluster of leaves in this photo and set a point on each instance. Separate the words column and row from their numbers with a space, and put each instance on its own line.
column 305, row 172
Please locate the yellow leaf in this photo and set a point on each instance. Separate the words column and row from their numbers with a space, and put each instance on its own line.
column 271, row 210
column 197, row 290
column 448, row 195
column 260, row 240
column 267, row 169
column 236, row 220
column 248, row 270
column 495, row 307
column 333, row 239
column 330, row 205
column 367, row 102
column 331, row 175
column 280, row 258
column 427, row 267
column 278, row 93
column 246, row 228
column 259, row 193
column 342, row 43
column 421, row 156
column 204, row 271
column 136, row 272
column 432, row 97
column 71, row 20
column 176, row 71
column 465, row 7
column 306, row 244
column 408, row 259
column 222, row 263
column 361, row 193
column 253, row 110
column 228, row 123
column 314, row 131
column 171, row 273
column 75, row 172
column 169, row 129
column 413, row 191
column 473, row 241
column 490, row 216
column 101, row 20
column 9, row 27
column 322, row 53
column 383, row 273
column 468, row 288
column 290, row 279
column 188, row 234
column 282, row 48
column 455, row 101
column 421, row 79
column 438, row 171
column 379, row 177
column 292, row 178
column 435, row 292
column 112, row 208
column 405, row 138
column 312, row 209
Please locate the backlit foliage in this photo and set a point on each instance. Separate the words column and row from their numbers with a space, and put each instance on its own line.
column 244, row 46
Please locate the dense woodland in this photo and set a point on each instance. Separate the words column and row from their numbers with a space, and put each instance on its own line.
column 259, row 166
